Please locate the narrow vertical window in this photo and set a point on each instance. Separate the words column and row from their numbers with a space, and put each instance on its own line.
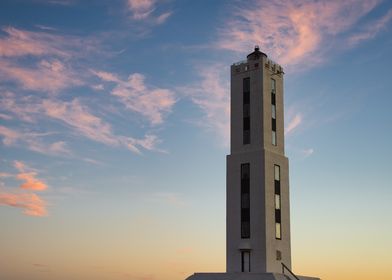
column 273, row 138
column 246, row 111
column 245, row 200
column 273, row 111
column 278, row 204
column 245, row 261
column 278, row 231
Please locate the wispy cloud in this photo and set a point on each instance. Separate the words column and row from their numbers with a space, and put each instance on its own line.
column 21, row 43
column 173, row 199
column 212, row 96
column 9, row 136
column 293, row 123
column 48, row 76
column 145, row 10
column 151, row 102
column 293, row 32
column 371, row 29
column 31, row 203
column 74, row 115
column 308, row 152
column 33, row 142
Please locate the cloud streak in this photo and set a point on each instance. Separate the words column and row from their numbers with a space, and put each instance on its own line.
column 19, row 43
column 151, row 102
column 370, row 30
column 211, row 95
column 293, row 124
column 145, row 10
column 74, row 115
column 48, row 76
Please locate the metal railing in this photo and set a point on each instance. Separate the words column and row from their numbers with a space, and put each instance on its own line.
column 284, row 267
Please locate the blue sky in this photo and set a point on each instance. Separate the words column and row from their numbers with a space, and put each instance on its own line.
column 114, row 124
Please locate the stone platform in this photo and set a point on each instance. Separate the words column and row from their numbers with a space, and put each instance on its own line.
column 246, row 276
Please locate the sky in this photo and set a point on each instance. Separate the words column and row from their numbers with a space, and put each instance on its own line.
column 114, row 128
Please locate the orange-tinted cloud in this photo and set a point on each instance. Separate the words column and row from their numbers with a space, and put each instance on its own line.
column 31, row 204
column 293, row 32
column 31, row 182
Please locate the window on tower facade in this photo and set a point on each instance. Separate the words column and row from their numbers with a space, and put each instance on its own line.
column 246, row 111
column 273, row 111
column 245, row 200
column 278, row 214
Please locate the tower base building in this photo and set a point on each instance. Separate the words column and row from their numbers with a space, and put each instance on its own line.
column 258, row 243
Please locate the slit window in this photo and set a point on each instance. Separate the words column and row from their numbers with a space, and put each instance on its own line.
column 245, row 200
column 246, row 111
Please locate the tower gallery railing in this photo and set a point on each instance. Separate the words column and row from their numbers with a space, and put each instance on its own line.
column 284, row 267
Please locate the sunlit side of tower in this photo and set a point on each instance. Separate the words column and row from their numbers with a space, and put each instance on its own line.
column 258, row 208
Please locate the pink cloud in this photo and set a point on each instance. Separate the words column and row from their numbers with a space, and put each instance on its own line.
column 31, row 204
column 9, row 135
column 212, row 96
column 293, row 123
column 33, row 142
column 293, row 32
column 143, row 10
column 75, row 116
column 20, row 166
column 49, row 75
column 106, row 76
column 150, row 102
column 5, row 117
column 85, row 123
column 20, row 43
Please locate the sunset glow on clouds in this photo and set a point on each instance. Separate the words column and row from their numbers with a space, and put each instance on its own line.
column 31, row 203
column 297, row 32
column 115, row 124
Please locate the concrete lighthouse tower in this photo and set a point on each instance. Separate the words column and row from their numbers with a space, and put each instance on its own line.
column 258, row 243
column 258, row 208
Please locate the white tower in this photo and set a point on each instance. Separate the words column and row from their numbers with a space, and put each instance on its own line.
column 258, row 208
column 257, row 189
